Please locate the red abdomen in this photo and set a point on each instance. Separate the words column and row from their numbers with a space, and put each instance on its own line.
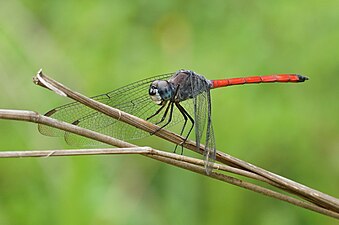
column 258, row 79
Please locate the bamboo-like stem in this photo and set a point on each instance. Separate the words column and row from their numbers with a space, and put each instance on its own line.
column 130, row 150
column 30, row 116
column 37, row 118
column 73, row 152
column 305, row 192
column 315, row 200
column 188, row 163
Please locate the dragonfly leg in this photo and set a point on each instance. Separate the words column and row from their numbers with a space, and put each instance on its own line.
column 183, row 127
column 170, row 105
column 164, row 116
column 181, row 132
column 186, row 115
column 157, row 112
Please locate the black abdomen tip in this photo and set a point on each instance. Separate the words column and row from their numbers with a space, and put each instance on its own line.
column 302, row 78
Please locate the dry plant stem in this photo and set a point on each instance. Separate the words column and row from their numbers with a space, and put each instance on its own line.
column 276, row 180
column 293, row 187
column 37, row 118
column 73, row 152
column 258, row 189
column 170, row 158
column 31, row 116
column 132, row 150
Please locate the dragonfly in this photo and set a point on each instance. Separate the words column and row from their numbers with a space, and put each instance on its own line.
column 167, row 100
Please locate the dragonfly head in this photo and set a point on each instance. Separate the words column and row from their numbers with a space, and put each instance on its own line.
column 160, row 91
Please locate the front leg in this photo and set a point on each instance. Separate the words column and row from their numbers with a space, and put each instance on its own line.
column 157, row 112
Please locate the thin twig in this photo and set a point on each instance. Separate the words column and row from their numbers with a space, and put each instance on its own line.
column 192, row 164
column 188, row 163
column 131, row 150
column 307, row 193
column 73, row 152
column 31, row 116
column 323, row 203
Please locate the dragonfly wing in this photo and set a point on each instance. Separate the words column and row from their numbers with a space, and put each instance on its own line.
column 69, row 113
column 200, row 111
column 133, row 99
column 210, row 148
column 141, row 107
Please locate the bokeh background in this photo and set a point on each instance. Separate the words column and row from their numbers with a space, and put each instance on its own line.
column 97, row 46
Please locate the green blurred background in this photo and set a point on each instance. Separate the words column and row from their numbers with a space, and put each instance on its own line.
column 97, row 46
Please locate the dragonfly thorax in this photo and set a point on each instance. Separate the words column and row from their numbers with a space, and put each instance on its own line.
column 161, row 91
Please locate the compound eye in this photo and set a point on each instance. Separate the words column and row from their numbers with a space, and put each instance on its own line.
column 153, row 90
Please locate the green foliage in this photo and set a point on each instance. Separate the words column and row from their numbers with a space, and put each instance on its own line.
column 97, row 46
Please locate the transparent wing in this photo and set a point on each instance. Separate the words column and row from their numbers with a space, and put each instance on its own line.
column 203, row 122
column 200, row 101
column 133, row 99
column 200, row 111
column 210, row 148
